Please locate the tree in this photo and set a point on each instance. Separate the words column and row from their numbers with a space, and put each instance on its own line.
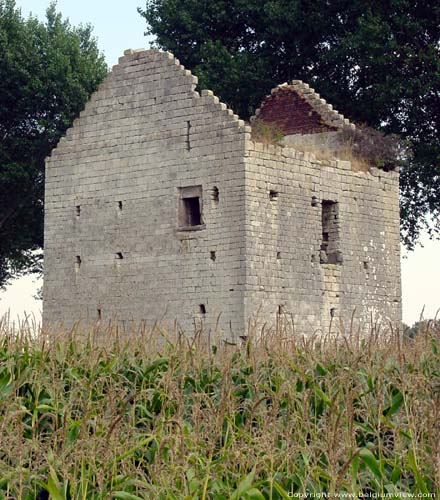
column 377, row 62
column 47, row 72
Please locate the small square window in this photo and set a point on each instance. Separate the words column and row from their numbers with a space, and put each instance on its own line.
column 190, row 207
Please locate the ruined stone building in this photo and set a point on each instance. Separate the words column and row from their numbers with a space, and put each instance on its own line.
column 160, row 206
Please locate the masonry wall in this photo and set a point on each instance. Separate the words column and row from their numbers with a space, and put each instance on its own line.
column 285, row 274
column 112, row 191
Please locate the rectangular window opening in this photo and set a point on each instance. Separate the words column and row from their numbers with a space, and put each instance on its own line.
column 78, row 210
column 330, row 243
column 190, row 207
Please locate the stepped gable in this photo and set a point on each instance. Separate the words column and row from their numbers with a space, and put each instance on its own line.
column 140, row 77
column 297, row 109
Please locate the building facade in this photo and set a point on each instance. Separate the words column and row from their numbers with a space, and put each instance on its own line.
column 160, row 206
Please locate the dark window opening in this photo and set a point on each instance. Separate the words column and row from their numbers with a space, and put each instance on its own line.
column 330, row 244
column 212, row 255
column 273, row 195
column 366, row 265
column 119, row 256
column 332, row 312
column 77, row 263
column 99, row 313
column 202, row 309
column 120, row 206
column 278, row 255
column 315, row 201
column 190, row 207
column 78, row 210
column 188, row 132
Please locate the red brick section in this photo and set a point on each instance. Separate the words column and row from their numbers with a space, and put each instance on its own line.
column 291, row 113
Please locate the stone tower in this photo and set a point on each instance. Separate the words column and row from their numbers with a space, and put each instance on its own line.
column 160, row 207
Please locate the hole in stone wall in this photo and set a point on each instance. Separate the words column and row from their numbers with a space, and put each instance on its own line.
column 333, row 312
column 77, row 263
column 212, row 255
column 215, row 195
column 273, row 195
column 78, row 210
column 202, row 309
column 120, row 206
column 315, row 201
column 280, row 309
column 99, row 313
column 278, row 255
column 119, row 256
column 366, row 265
column 313, row 258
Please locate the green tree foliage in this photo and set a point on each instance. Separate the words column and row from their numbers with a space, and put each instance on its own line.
column 47, row 72
column 377, row 62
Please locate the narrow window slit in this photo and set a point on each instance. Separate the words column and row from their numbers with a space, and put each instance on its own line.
column 77, row 263
column 202, row 308
column 212, row 255
column 119, row 256
column 273, row 195
column 330, row 245
column 99, row 311
column 120, row 206
column 188, row 131
column 78, row 210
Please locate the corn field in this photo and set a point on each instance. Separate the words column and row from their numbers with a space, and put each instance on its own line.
column 278, row 416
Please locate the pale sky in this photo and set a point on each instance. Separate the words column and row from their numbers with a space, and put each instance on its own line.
column 118, row 26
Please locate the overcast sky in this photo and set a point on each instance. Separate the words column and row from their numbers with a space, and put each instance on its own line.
column 118, row 26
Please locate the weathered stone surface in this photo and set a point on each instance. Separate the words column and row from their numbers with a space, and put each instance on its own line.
column 160, row 207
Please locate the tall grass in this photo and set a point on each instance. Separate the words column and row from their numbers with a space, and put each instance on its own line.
column 103, row 417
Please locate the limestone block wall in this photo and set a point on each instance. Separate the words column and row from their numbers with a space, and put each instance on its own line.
column 285, row 269
column 327, row 142
column 114, row 248
column 159, row 207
